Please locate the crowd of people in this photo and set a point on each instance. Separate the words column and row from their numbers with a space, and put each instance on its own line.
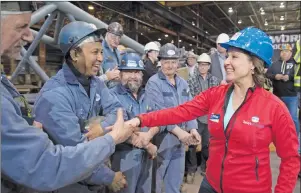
column 112, row 120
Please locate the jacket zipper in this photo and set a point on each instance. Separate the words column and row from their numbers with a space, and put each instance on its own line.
column 227, row 137
column 256, row 168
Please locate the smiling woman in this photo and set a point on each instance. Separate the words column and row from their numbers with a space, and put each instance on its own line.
column 240, row 130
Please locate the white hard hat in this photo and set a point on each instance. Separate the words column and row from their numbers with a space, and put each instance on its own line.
column 204, row 58
column 222, row 38
column 151, row 46
column 190, row 54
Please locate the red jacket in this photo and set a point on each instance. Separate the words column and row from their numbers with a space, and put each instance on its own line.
column 239, row 158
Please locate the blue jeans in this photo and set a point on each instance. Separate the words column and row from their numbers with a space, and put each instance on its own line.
column 292, row 105
column 206, row 187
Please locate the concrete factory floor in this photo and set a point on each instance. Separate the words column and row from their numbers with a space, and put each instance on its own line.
column 275, row 161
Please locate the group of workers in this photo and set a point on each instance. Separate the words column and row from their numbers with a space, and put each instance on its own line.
column 78, row 139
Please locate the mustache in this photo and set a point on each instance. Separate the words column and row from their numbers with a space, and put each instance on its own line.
column 22, row 44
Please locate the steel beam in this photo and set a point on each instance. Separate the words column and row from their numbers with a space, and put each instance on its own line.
column 71, row 17
column 34, row 44
column 292, row 31
column 162, row 11
column 46, row 39
column 204, row 21
column 34, row 65
column 58, row 26
column 42, row 13
column 254, row 12
column 79, row 14
column 225, row 14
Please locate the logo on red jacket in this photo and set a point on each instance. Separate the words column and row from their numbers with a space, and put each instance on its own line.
column 214, row 117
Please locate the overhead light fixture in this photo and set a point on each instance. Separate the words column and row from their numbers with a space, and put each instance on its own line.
column 282, row 28
column 166, row 35
column 90, row 7
column 282, row 18
column 159, row 39
column 190, row 44
column 206, row 32
column 230, row 10
column 193, row 36
column 180, row 40
column 239, row 21
column 262, row 13
column 193, row 23
column 183, row 47
column 141, row 33
column 266, row 23
column 281, row 5
column 192, row 50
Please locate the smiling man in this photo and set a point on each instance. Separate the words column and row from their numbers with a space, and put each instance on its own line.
column 74, row 96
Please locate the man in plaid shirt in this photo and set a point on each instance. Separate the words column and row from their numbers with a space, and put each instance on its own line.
column 198, row 82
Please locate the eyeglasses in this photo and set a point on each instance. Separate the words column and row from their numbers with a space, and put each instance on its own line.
column 115, row 37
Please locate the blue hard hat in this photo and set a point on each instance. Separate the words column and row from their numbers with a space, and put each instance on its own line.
column 254, row 41
column 131, row 61
column 73, row 33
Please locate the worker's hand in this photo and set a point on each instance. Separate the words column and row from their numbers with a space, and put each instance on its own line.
column 120, row 131
column 142, row 139
column 278, row 76
column 197, row 138
column 135, row 122
column 285, row 78
column 119, row 182
column 37, row 125
column 185, row 137
column 94, row 129
column 113, row 74
column 151, row 150
column 186, row 148
column 198, row 148
column 223, row 82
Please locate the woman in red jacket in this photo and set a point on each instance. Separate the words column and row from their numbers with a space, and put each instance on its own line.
column 244, row 119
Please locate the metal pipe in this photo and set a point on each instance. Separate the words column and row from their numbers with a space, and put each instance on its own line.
column 58, row 25
column 79, row 14
column 254, row 12
column 46, row 39
column 42, row 13
column 204, row 21
column 35, row 66
column 292, row 31
column 160, row 10
column 71, row 17
column 226, row 15
column 34, row 44
column 159, row 28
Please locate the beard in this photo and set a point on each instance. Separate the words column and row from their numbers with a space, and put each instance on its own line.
column 134, row 85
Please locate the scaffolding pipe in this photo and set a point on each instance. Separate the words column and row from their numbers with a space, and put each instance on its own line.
column 79, row 14
column 58, row 26
column 46, row 39
column 33, row 45
column 42, row 13
column 226, row 15
column 35, row 66
column 71, row 17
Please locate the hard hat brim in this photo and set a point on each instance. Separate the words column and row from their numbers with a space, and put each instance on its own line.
column 129, row 68
column 239, row 46
column 99, row 32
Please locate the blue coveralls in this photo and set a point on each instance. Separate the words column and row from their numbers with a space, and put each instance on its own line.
column 29, row 158
column 171, row 152
column 133, row 162
column 111, row 59
column 63, row 106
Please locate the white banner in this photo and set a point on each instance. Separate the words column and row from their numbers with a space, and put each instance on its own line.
column 278, row 40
